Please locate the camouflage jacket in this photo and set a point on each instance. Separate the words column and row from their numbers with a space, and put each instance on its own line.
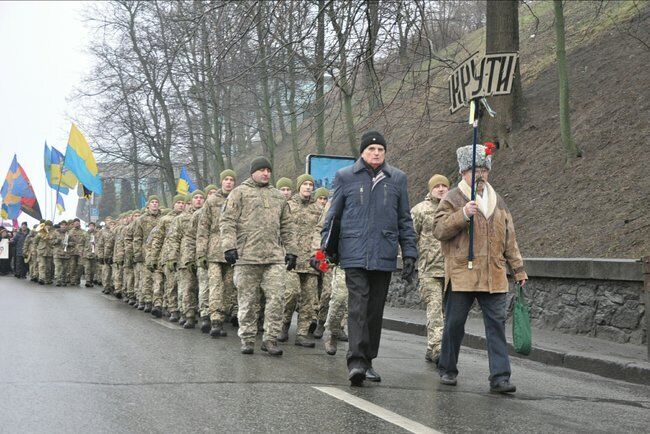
column 157, row 239
column 141, row 229
column 43, row 242
column 90, row 245
column 28, row 243
column 208, row 235
column 257, row 222
column 306, row 215
column 62, row 246
column 108, row 242
column 99, row 241
column 175, row 232
column 127, row 234
column 188, row 243
column 78, row 239
column 431, row 262
column 118, row 245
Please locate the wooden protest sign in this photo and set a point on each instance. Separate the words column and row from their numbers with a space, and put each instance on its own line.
column 492, row 74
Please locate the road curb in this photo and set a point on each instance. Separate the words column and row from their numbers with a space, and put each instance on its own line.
column 631, row 372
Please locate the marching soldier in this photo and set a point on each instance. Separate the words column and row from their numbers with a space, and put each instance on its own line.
column 90, row 255
column 106, row 246
column 119, row 273
column 285, row 185
column 201, row 271
column 44, row 252
column 76, row 236
column 321, row 196
column 62, row 246
column 141, row 229
column 257, row 237
column 129, row 275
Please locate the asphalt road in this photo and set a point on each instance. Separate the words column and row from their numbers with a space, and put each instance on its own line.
column 74, row 360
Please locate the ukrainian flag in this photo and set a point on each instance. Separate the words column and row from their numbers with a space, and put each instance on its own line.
column 60, row 205
column 61, row 178
column 185, row 184
column 79, row 159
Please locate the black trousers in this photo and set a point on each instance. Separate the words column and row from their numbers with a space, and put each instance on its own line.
column 366, row 298
column 20, row 268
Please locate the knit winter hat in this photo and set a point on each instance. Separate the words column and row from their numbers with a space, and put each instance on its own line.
column 227, row 172
column 321, row 192
column 178, row 197
column 260, row 163
column 284, row 182
column 188, row 198
column 438, row 179
column 464, row 157
column 210, row 187
column 196, row 193
column 152, row 197
column 371, row 138
column 304, row 178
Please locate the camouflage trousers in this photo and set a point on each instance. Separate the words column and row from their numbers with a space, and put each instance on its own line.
column 170, row 299
column 118, row 278
column 107, row 276
column 145, row 282
column 158, row 287
column 188, row 292
column 222, row 291
column 301, row 291
column 45, row 269
column 33, row 266
column 90, row 267
column 136, row 282
column 431, row 294
column 252, row 281
column 61, row 271
column 324, row 299
column 338, row 306
column 204, row 292
column 73, row 273
column 128, row 280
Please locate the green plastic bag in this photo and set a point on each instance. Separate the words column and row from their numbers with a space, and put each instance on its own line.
column 522, row 337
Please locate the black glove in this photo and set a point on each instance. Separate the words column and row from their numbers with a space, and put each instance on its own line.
column 290, row 260
column 314, row 263
column 408, row 269
column 231, row 256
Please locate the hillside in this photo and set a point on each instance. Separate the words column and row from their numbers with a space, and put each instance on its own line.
column 598, row 207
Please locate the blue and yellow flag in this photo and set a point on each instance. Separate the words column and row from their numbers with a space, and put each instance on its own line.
column 80, row 160
column 60, row 205
column 61, row 178
column 18, row 194
column 185, row 184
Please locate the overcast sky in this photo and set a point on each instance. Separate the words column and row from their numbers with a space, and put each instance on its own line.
column 43, row 52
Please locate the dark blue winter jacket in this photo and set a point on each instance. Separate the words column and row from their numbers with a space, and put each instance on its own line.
column 374, row 217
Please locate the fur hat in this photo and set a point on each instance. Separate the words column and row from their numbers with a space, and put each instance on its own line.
column 321, row 192
column 304, row 178
column 284, row 182
column 464, row 156
column 437, row 179
column 371, row 138
column 227, row 172
column 260, row 163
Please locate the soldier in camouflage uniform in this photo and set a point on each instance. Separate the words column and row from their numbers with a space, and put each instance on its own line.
column 431, row 263
column 285, row 185
column 182, row 256
column 107, row 244
column 62, row 246
column 119, row 272
column 301, row 290
column 221, row 287
column 129, row 273
column 162, row 276
column 321, row 196
column 141, row 229
column 27, row 252
column 257, row 236
column 337, row 310
column 43, row 242
column 201, row 270
column 76, row 236
column 89, row 255
column 99, row 251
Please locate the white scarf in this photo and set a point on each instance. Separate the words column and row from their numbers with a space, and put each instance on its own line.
column 486, row 203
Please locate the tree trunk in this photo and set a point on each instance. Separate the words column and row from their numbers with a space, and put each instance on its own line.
column 572, row 150
column 502, row 35
column 267, row 116
column 319, row 69
column 293, row 117
column 373, row 88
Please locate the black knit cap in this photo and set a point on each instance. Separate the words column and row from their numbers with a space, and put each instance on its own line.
column 371, row 138
column 260, row 163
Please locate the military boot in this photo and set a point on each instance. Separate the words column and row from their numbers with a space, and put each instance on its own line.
column 132, row 302
column 189, row 323
column 247, row 347
column 312, row 327
column 217, row 330
column 182, row 320
column 343, row 337
column 156, row 311
column 272, row 348
column 330, row 344
column 173, row 317
column 284, row 334
column 320, row 329
column 147, row 307
column 205, row 324
column 303, row 341
column 118, row 295
column 234, row 321
column 140, row 305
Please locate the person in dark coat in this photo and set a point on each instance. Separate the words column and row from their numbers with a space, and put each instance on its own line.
column 5, row 264
column 369, row 219
column 18, row 242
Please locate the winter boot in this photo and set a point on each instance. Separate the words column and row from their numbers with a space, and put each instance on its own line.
column 303, row 341
column 173, row 317
column 272, row 348
column 189, row 323
column 284, row 334
column 217, row 330
column 320, row 329
column 330, row 344
column 147, row 307
column 205, row 324
column 247, row 347
column 156, row 311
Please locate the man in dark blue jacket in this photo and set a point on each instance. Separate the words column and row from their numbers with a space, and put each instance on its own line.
column 368, row 219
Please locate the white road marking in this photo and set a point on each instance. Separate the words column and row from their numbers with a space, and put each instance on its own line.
column 169, row 325
column 380, row 412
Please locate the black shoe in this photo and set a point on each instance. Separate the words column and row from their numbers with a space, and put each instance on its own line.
column 141, row 306
column 234, row 321
column 156, row 311
column 173, row 317
column 503, row 386
column 320, row 329
column 217, row 330
column 303, row 341
column 247, row 348
column 372, row 375
column 284, row 334
column 448, row 379
column 312, row 327
column 189, row 323
column 205, row 324
column 147, row 307
column 132, row 302
column 356, row 377
column 182, row 321
column 88, row 285
column 118, row 295
column 272, row 348
column 40, row 282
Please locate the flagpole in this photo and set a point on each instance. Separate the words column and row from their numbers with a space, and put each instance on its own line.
column 58, row 185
